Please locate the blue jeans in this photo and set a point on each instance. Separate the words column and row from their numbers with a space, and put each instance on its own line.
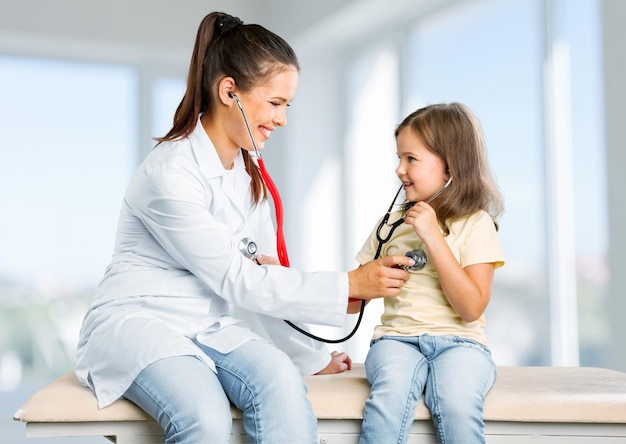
column 192, row 404
column 454, row 375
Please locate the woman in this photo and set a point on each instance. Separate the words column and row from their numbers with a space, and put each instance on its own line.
column 184, row 323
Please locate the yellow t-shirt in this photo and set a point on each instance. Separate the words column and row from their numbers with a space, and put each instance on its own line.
column 422, row 306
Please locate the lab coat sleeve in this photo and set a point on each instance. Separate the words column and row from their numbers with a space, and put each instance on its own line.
column 189, row 216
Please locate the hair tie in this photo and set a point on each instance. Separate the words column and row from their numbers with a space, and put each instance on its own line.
column 227, row 22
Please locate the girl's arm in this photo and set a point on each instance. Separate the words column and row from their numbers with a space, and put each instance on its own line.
column 468, row 289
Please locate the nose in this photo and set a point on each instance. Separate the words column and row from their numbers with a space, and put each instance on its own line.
column 280, row 116
column 400, row 170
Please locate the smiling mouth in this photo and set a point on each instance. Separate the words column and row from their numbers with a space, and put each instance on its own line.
column 265, row 132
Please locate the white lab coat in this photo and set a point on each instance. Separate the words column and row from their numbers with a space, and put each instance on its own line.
column 177, row 274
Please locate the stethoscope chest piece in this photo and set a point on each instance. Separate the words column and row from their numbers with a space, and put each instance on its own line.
column 419, row 256
column 248, row 248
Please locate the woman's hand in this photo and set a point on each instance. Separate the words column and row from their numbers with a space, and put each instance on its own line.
column 262, row 259
column 379, row 278
column 354, row 306
column 339, row 363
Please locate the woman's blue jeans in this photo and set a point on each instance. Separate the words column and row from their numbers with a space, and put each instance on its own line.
column 192, row 404
column 454, row 375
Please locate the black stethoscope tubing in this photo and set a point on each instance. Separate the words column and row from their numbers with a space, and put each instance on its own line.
column 381, row 241
column 421, row 259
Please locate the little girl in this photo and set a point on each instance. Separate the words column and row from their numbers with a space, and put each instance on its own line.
column 431, row 339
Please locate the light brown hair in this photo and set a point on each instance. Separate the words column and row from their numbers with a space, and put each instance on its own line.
column 451, row 131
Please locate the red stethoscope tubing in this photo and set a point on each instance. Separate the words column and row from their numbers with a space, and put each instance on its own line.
column 281, row 247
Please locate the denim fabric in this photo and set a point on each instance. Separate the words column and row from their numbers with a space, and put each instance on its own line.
column 454, row 375
column 257, row 377
column 186, row 399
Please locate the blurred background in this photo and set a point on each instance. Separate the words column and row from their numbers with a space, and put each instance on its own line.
column 86, row 85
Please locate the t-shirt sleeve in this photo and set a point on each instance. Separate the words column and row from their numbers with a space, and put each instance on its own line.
column 482, row 244
column 368, row 250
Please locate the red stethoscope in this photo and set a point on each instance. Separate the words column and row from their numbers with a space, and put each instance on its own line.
column 248, row 247
column 281, row 247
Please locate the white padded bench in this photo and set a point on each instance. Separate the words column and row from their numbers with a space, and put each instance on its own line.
column 556, row 405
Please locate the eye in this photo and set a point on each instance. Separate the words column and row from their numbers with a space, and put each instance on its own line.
column 411, row 159
column 276, row 104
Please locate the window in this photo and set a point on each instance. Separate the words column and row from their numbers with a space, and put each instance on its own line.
column 370, row 159
column 491, row 55
column 68, row 150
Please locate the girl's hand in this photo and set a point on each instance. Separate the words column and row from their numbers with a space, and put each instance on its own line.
column 468, row 289
column 339, row 363
column 423, row 219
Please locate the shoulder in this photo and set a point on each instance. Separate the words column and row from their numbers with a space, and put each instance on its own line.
column 477, row 238
column 170, row 162
column 169, row 154
column 169, row 169
column 480, row 220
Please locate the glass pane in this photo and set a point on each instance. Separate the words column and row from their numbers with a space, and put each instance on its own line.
column 69, row 133
column 583, row 32
column 370, row 159
column 488, row 55
column 167, row 92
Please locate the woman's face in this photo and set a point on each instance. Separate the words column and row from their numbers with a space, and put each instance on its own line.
column 266, row 107
column 422, row 172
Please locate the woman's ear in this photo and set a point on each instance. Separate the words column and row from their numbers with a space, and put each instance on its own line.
column 225, row 88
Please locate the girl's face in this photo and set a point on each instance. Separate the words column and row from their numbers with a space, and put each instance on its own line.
column 422, row 172
column 266, row 108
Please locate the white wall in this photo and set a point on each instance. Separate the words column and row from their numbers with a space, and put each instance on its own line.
column 614, row 13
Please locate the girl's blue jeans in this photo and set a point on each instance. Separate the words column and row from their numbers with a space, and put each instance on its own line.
column 454, row 375
column 192, row 404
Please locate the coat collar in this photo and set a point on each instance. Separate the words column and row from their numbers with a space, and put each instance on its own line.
column 211, row 166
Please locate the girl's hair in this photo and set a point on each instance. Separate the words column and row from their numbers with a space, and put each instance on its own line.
column 225, row 47
column 451, row 131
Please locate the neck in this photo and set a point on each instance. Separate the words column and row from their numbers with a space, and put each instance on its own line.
column 226, row 150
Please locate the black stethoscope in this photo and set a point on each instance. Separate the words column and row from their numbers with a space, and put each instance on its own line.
column 249, row 248
column 418, row 255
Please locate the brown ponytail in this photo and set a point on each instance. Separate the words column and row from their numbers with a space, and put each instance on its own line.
column 225, row 47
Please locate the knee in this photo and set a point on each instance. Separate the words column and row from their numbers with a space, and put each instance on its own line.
column 457, row 410
column 284, row 380
column 207, row 421
column 401, row 375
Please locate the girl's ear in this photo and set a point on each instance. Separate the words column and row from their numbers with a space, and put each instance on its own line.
column 225, row 88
